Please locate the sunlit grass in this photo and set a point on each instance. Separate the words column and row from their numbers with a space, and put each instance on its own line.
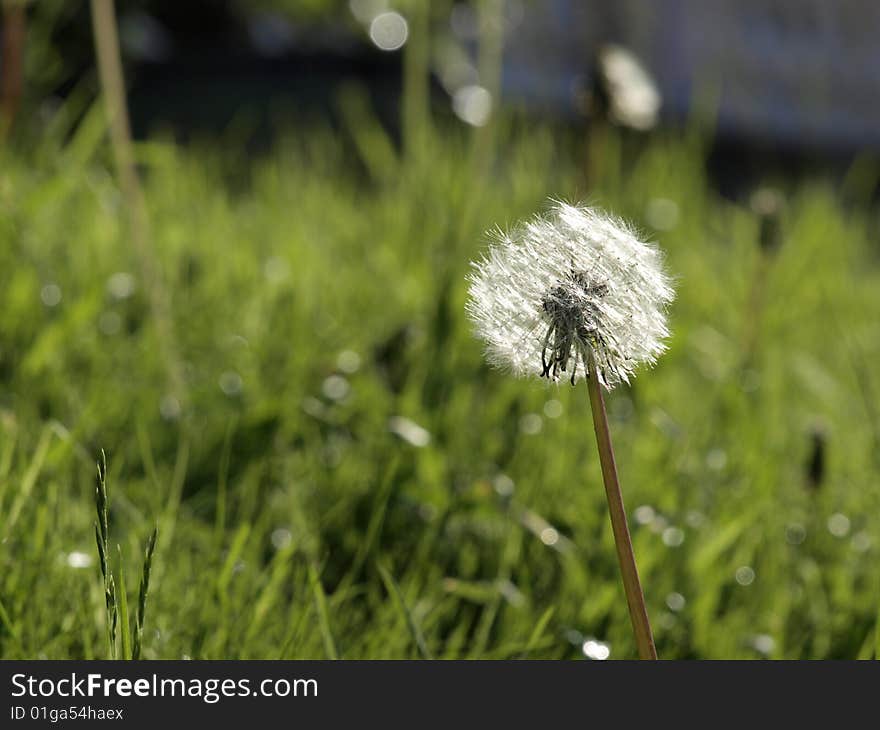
column 318, row 293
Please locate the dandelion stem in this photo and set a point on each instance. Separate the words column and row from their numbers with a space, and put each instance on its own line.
column 635, row 599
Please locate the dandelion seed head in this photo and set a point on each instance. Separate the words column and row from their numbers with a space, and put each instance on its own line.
column 567, row 284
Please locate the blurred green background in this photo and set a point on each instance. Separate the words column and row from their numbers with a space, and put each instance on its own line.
column 284, row 381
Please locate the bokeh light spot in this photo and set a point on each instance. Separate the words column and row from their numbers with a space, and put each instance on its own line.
column 366, row 10
column 838, row 525
column 409, row 431
column 110, row 323
column 504, row 485
column 795, row 534
column 553, row 409
column 121, row 285
column 745, row 575
column 77, row 559
column 230, row 383
column 389, row 31
column 763, row 644
column 50, row 295
column 281, row 538
column 596, row 650
column 335, row 387
column 673, row 536
column 662, row 214
column 531, row 423
column 861, row 542
column 169, row 408
column 472, row 104
column 716, row 459
column 644, row 514
column 348, row 361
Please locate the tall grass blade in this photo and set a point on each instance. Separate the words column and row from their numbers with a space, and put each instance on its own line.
column 123, row 609
column 400, row 603
column 143, row 591
column 323, row 615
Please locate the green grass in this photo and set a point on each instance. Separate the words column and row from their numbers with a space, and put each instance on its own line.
column 318, row 293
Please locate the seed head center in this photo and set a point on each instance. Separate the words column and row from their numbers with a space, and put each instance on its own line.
column 571, row 311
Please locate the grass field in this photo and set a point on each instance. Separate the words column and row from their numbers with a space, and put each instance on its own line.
column 333, row 469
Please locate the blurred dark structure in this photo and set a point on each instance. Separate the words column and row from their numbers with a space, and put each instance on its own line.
column 796, row 72
column 815, row 466
column 787, row 76
column 202, row 65
column 11, row 79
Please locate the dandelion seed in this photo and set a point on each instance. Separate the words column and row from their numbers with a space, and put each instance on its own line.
column 568, row 285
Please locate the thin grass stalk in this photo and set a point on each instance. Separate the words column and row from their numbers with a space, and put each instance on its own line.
column 416, row 80
column 635, row 599
column 7, row 623
column 123, row 608
column 414, row 630
column 171, row 512
column 12, row 65
column 323, row 614
column 484, row 139
column 491, row 55
column 102, row 541
column 113, row 91
column 143, row 592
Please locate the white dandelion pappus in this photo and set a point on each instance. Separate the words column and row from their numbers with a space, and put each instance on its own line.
column 568, row 284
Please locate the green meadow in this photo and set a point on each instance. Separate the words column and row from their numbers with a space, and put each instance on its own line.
column 276, row 362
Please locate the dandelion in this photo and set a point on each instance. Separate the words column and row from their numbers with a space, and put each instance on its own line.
column 575, row 293
column 562, row 287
